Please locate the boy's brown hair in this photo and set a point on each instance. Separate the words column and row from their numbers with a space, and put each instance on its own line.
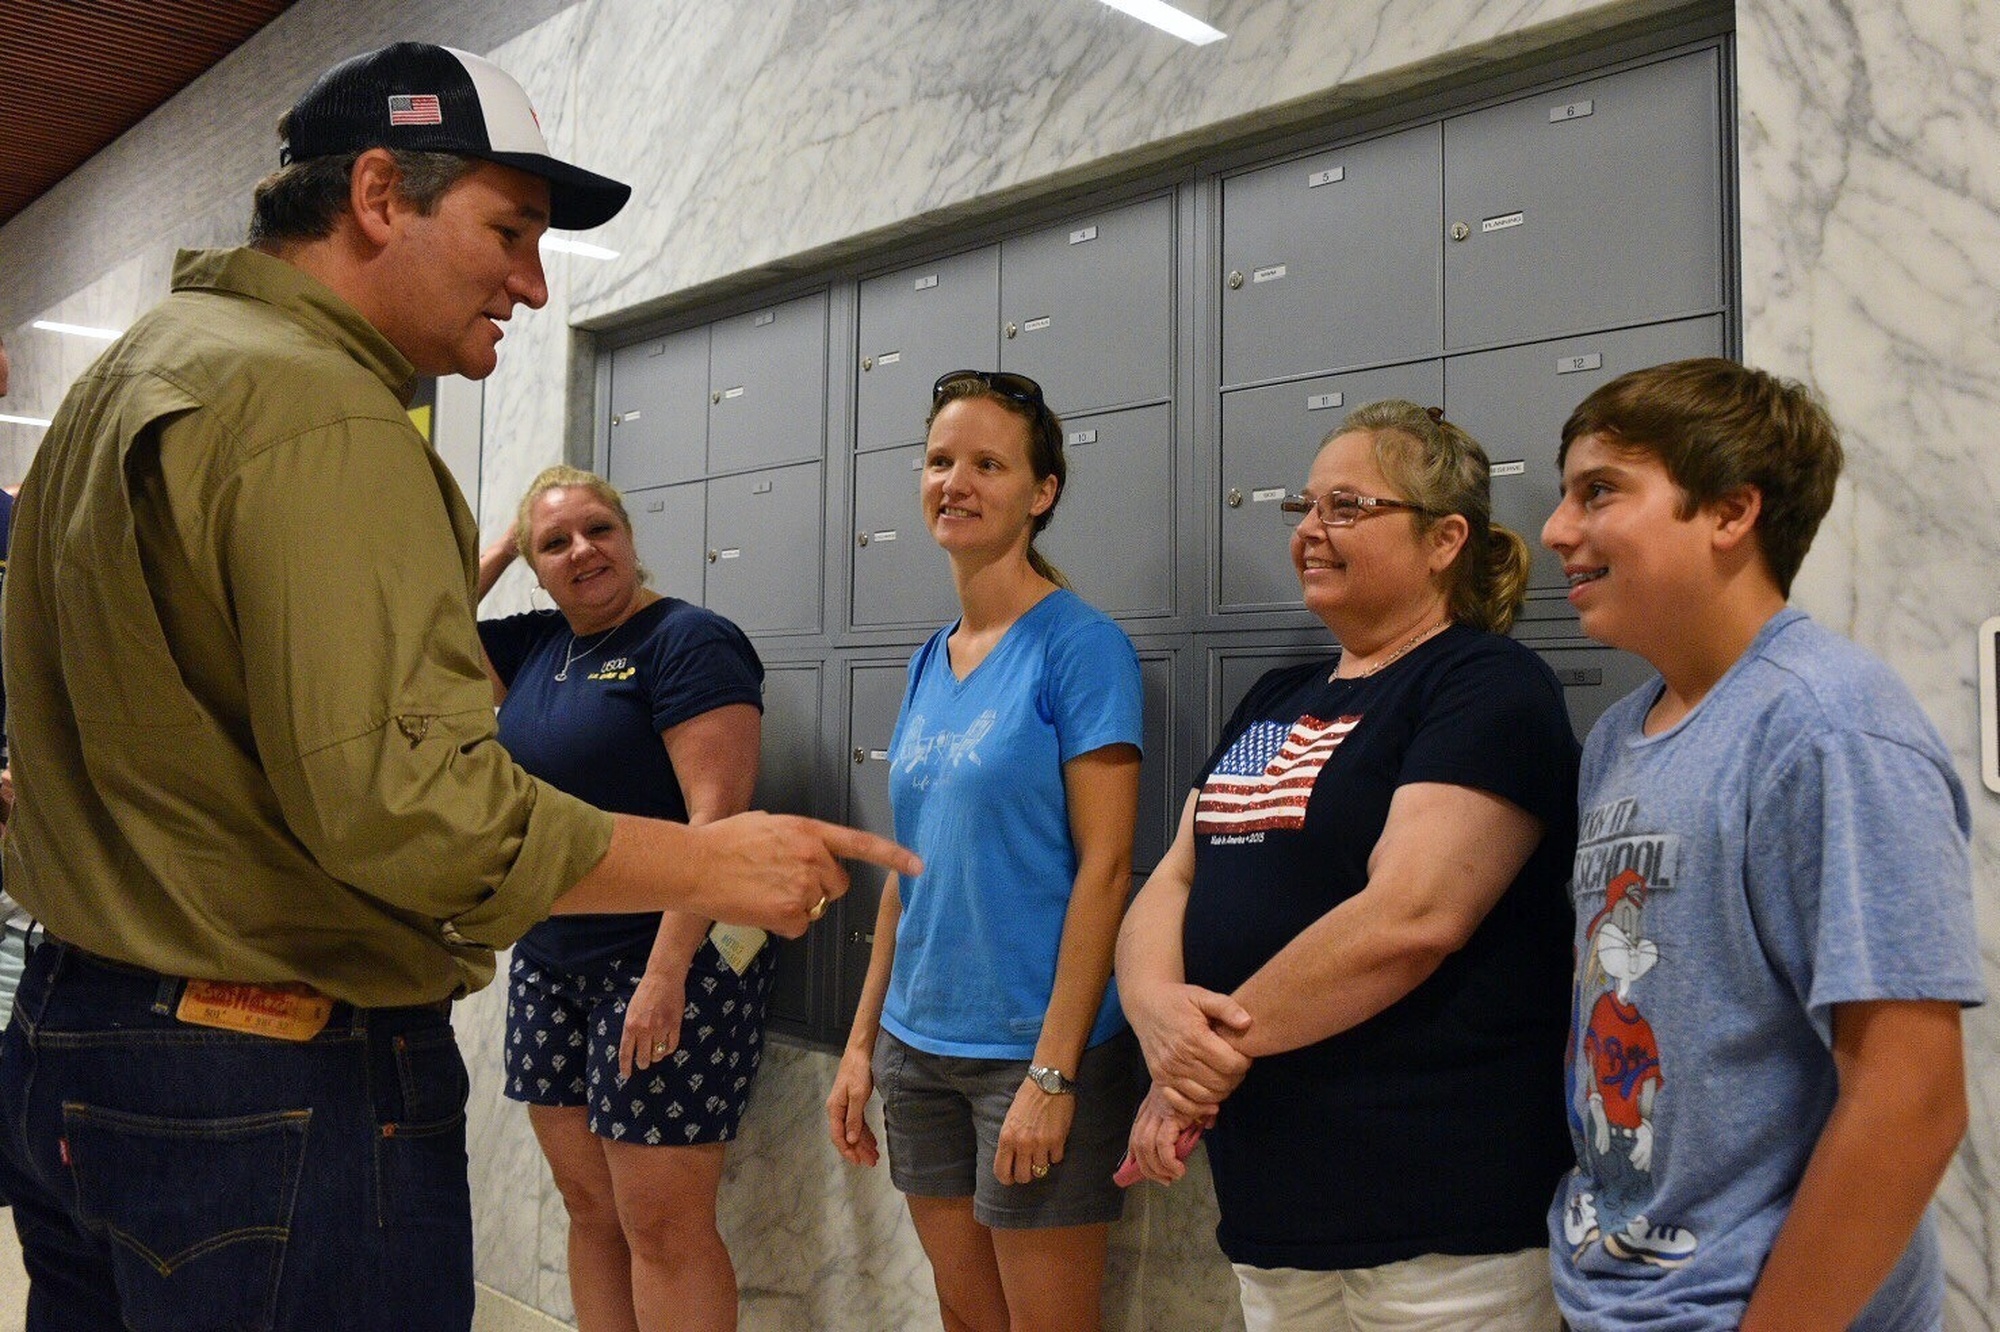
column 1716, row 426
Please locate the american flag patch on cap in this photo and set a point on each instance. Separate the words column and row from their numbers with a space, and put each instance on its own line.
column 418, row 109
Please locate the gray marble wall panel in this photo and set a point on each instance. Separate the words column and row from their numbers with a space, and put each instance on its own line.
column 768, row 138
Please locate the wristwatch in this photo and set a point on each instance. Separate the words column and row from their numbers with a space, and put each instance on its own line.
column 1051, row 1080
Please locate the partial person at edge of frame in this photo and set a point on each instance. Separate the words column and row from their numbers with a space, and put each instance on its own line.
column 1352, row 959
column 988, row 1019
column 632, row 1039
column 263, row 790
column 16, row 925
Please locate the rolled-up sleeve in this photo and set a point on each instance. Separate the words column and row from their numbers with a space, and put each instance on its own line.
column 344, row 559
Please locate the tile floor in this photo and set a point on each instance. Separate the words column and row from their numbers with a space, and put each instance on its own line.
column 13, row 1281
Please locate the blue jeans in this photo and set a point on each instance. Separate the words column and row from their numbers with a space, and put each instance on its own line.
column 168, row 1177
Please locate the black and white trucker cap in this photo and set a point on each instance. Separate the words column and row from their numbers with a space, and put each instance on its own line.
column 437, row 100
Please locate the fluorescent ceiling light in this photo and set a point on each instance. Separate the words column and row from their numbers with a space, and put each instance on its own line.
column 561, row 246
column 77, row 330
column 1168, row 19
column 23, row 420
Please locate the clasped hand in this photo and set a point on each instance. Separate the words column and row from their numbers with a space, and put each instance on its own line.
column 1188, row 1034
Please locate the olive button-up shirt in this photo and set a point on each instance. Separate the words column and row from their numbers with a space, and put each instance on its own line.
column 253, row 737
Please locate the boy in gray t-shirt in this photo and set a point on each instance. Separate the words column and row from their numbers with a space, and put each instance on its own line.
column 1774, row 917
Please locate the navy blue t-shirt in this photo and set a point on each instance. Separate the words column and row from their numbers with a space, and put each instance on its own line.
column 1435, row 1126
column 596, row 734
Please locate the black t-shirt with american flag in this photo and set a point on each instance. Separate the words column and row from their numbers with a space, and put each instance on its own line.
column 1435, row 1126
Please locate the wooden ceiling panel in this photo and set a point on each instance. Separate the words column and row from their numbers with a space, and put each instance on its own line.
column 75, row 74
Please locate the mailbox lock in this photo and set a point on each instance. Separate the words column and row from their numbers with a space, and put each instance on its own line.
column 1234, row 499
column 713, row 556
column 861, row 538
column 616, row 418
column 1013, row 329
column 867, row 363
column 1459, row 231
column 860, row 755
column 1235, row 279
column 715, row 397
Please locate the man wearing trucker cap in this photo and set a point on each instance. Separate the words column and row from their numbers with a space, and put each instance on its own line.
column 266, row 823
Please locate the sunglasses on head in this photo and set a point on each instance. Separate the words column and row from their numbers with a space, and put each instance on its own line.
column 1016, row 388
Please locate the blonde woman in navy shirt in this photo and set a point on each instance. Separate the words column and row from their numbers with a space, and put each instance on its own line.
column 987, row 1019
column 633, row 1039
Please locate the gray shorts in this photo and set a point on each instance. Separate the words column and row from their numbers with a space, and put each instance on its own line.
column 943, row 1114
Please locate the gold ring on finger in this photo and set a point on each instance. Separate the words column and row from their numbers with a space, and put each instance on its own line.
column 818, row 908
column 1039, row 1170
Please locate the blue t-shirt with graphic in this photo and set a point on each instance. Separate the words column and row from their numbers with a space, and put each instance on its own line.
column 1796, row 842
column 976, row 783
column 596, row 732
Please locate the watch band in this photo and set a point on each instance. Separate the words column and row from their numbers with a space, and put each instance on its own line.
column 1051, row 1080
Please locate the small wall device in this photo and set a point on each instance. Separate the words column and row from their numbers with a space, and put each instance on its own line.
column 1989, row 704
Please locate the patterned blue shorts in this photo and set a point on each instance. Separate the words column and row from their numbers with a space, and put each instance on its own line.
column 562, row 1048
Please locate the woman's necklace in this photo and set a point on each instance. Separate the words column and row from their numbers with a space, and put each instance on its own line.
column 575, row 652
column 1416, row 638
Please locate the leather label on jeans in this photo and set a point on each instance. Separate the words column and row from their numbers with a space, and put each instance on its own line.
column 286, row 1012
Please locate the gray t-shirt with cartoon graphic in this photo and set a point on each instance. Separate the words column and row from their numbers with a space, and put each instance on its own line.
column 1796, row 842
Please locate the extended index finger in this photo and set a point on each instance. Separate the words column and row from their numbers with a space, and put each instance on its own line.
column 854, row 844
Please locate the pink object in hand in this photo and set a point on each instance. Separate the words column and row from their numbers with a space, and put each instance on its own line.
column 1128, row 1174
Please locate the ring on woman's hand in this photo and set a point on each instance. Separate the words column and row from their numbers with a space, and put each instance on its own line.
column 818, row 908
column 659, row 1048
column 1039, row 1170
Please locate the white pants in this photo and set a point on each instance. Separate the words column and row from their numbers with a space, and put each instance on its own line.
column 1502, row 1292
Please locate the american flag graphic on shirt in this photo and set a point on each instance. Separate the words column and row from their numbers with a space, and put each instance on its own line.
column 1266, row 778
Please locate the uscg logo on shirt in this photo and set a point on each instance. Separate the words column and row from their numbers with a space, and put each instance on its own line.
column 1266, row 779
column 618, row 668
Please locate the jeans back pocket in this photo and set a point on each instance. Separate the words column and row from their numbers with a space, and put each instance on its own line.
column 197, row 1211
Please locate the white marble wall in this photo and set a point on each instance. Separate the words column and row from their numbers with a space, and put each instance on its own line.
column 771, row 137
column 1870, row 151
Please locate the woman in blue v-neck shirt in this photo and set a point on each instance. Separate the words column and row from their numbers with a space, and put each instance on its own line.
column 987, row 1020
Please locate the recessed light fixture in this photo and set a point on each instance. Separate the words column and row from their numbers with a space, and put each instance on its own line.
column 78, row 330
column 1168, row 19
column 23, row 420
column 561, row 246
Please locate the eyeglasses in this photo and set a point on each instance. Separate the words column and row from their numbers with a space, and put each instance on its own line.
column 1017, row 388
column 1340, row 508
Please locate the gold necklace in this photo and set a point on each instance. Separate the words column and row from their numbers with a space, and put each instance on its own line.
column 1421, row 634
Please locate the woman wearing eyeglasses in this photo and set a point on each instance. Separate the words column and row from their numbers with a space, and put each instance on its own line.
column 1353, row 959
column 1007, row 1073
